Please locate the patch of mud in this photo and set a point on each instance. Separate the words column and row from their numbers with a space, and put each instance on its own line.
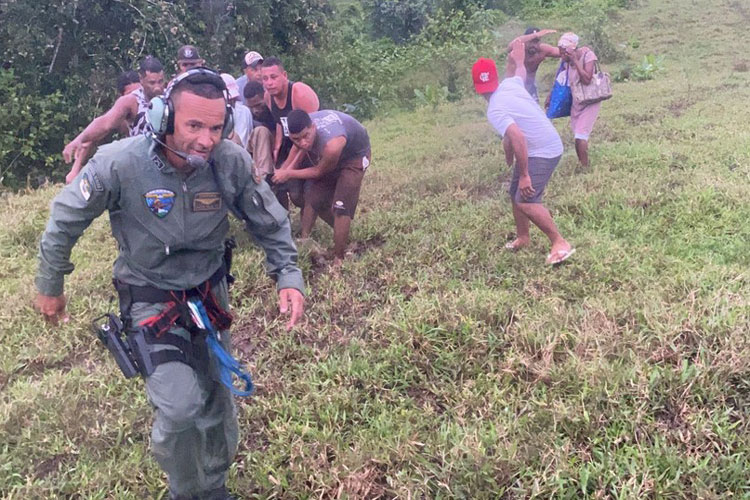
column 37, row 367
column 50, row 465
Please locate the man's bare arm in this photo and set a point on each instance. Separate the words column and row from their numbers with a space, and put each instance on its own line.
column 277, row 137
column 530, row 37
column 508, row 149
column 515, row 66
column 549, row 50
column 294, row 159
column 304, row 98
column 517, row 142
column 520, row 150
column 124, row 110
column 328, row 161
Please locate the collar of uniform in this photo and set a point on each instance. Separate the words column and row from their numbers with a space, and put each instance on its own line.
column 158, row 159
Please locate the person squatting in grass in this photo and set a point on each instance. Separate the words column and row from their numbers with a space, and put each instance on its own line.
column 337, row 154
column 128, row 112
column 535, row 145
column 167, row 194
column 261, row 140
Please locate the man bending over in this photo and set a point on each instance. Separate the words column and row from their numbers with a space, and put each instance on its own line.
column 338, row 149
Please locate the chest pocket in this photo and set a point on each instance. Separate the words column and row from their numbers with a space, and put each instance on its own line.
column 265, row 215
column 174, row 224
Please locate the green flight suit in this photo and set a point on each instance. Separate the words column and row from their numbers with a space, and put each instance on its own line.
column 170, row 229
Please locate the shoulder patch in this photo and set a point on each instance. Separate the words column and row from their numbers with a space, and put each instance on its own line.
column 159, row 201
column 208, row 201
column 98, row 185
column 157, row 161
column 85, row 186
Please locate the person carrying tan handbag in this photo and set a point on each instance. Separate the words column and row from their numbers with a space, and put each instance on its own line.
column 581, row 62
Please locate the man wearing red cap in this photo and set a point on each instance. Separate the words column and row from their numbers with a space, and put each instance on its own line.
column 531, row 140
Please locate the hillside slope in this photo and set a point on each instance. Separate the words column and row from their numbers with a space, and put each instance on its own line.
column 435, row 364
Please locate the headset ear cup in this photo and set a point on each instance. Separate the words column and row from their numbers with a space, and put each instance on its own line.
column 155, row 115
column 169, row 116
column 228, row 122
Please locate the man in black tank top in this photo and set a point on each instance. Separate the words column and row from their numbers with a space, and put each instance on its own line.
column 279, row 116
column 283, row 96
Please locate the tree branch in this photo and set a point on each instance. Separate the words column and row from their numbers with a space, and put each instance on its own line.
column 57, row 49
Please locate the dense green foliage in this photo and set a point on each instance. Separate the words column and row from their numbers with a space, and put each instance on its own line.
column 60, row 58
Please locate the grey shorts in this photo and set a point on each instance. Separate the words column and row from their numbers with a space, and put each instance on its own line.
column 540, row 170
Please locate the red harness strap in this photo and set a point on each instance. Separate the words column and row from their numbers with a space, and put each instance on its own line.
column 176, row 309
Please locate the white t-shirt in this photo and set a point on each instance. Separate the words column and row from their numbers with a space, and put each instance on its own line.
column 243, row 122
column 511, row 103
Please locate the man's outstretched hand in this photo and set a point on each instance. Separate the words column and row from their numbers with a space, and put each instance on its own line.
column 292, row 302
column 71, row 149
column 52, row 308
column 518, row 51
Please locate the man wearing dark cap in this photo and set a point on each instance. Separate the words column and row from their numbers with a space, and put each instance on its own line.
column 187, row 58
column 337, row 154
column 251, row 65
column 534, row 144
column 536, row 52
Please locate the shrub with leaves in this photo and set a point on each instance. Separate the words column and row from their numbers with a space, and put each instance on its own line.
column 28, row 131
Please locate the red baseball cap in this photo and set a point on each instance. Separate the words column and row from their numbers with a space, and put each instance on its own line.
column 484, row 73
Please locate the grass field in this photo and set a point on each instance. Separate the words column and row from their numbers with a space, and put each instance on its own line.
column 435, row 364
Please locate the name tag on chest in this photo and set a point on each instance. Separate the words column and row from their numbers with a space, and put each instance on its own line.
column 207, row 202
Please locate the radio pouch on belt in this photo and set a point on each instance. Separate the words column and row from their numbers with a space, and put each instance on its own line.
column 110, row 333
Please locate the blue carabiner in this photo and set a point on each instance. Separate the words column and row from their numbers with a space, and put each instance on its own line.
column 228, row 364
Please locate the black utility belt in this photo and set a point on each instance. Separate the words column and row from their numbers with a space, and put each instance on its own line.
column 154, row 295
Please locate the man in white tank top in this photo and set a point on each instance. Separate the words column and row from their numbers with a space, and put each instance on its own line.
column 128, row 112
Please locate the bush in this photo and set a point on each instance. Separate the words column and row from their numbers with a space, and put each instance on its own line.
column 431, row 96
column 648, row 68
column 356, row 74
column 595, row 27
column 29, row 133
column 398, row 20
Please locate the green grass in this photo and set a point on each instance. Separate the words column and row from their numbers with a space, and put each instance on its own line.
column 436, row 365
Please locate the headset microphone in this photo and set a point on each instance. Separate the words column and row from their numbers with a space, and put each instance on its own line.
column 193, row 161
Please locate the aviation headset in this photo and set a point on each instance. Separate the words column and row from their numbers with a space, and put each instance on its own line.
column 161, row 109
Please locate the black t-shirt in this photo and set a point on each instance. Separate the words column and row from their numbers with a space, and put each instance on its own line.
column 265, row 120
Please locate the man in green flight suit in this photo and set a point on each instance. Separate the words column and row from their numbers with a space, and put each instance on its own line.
column 167, row 203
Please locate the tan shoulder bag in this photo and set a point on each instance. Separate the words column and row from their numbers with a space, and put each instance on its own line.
column 598, row 89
